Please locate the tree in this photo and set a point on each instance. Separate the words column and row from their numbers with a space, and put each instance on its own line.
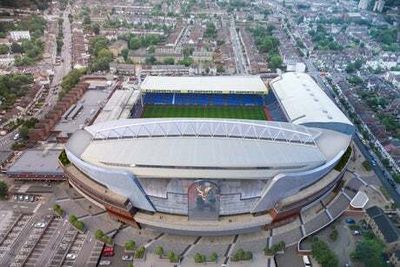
column 130, row 245
column 369, row 251
column 186, row 61
column 125, row 53
column 334, row 234
column 134, row 43
column 169, row 61
column 96, row 28
column 3, row 189
column 211, row 31
column 322, row 253
column 87, row 20
column 275, row 61
column 71, row 79
column 63, row 158
column 99, row 234
column 187, row 51
column 16, row 48
column 172, row 256
column 3, row 49
column 214, row 257
column 24, row 132
column 105, row 53
column 242, row 255
column 159, row 251
column 58, row 210
column 139, row 253
column 274, row 248
column 72, row 218
column 150, row 60
column 199, row 258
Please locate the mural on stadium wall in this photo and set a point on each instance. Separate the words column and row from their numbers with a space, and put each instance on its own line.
column 203, row 201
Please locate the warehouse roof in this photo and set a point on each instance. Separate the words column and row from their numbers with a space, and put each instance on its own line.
column 209, row 84
column 37, row 161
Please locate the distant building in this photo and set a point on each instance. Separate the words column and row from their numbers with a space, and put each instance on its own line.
column 123, row 69
column 19, row 35
column 379, row 5
column 383, row 227
column 295, row 66
column 202, row 56
column 363, row 4
column 6, row 60
column 393, row 77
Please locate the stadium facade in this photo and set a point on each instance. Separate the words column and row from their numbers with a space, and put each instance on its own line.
column 209, row 176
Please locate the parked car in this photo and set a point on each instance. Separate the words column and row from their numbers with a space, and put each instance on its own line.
column 306, row 261
column 356, row 232
column 108, row 251
column 127, row 258
column 104, row 263
column 39, row 225
column 350, row 221
column 70, row 256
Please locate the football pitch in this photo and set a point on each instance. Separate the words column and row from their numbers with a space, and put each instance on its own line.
column 231, row 112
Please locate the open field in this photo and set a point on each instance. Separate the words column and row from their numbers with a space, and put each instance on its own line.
column 232, row 112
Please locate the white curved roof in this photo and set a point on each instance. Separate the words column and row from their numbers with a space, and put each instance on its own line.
column 205, row 84
column 206, row 148
column 137, row 128
column 359, row 200
column 304, row 101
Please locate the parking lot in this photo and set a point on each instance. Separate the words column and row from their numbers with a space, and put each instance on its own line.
column 44, row 240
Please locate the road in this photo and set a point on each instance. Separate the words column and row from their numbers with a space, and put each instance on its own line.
column 378, row 170
column 240, row 61
column 61, row 70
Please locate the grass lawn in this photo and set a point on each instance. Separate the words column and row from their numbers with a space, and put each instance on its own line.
column 233, row 112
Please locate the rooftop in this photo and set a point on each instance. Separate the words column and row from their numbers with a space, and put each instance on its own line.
column 304, row 101
column 385, row 225
column 211, row 84
column 83, row 111
column 359, row 200
column 37, row 161
column 214, row 148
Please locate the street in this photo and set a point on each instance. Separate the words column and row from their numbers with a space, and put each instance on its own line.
column 240, row 62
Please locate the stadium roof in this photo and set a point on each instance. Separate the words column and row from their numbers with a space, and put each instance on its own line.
column 206, row 148
column 304, row 101
column 209, row 84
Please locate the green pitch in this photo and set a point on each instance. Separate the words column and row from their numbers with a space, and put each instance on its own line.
column 233, row 112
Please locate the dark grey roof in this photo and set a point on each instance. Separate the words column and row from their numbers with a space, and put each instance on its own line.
column 389, row 231
column 34, row 161
column 374, row 211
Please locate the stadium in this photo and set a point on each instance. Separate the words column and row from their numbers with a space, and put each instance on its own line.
column 213, row 155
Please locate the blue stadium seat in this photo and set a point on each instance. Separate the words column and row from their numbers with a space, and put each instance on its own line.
column 203, row 99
